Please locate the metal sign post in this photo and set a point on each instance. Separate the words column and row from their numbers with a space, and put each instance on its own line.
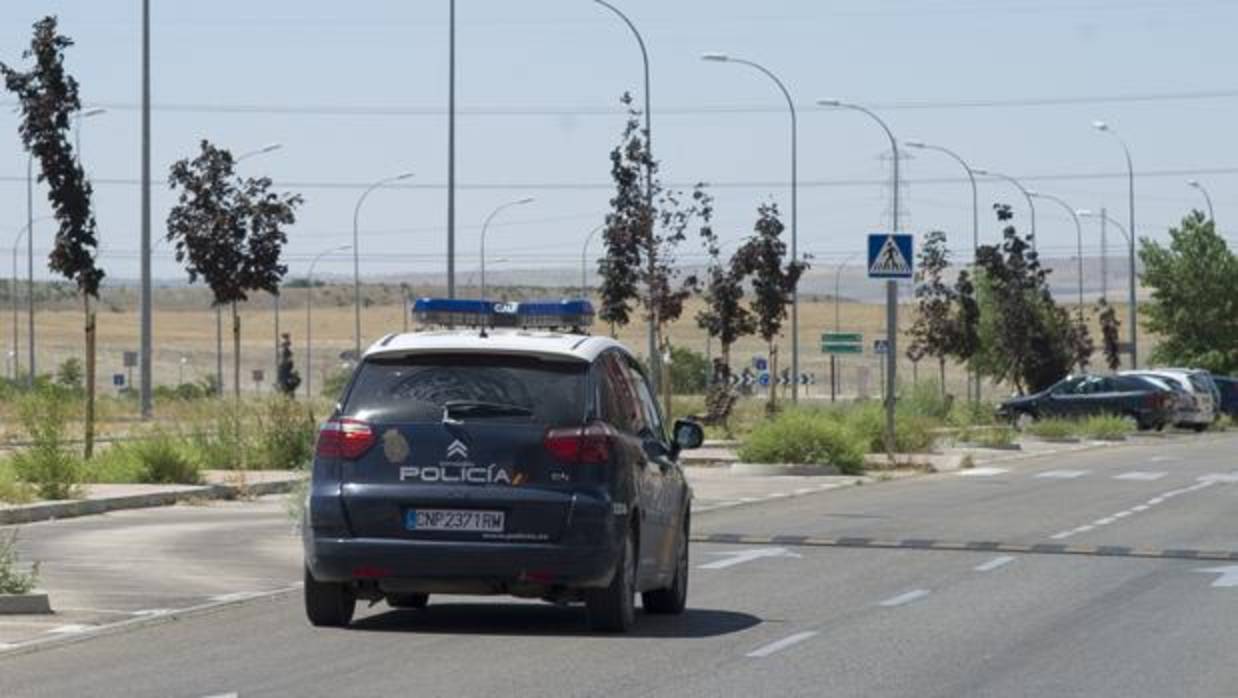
column 890, row 258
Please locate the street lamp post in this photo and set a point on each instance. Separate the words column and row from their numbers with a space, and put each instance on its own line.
column 309, row 319
column 30, row 268
column 13, row 292
column 147, row 307
column 1130, row 222
column 1207, row 199
column 1078, row 238
column 1132, row 301
column 837, row 324
column 1031, row 206
column 356, row 257
column 655, row 362
column 584, row 254
column 891, row 284
column 77, row 128
column 795, row 304
column 274, row 296
column 486, row 225
column 975, row 218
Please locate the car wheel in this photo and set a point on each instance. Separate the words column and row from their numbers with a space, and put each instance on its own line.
column 1199, row 428
column 673, row 599
column 408, row 600
column 328, row 604
column 1135, row 424
column 1023, row 420
column 613, row 609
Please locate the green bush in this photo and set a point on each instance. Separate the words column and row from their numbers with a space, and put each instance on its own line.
column 1106, row 427
column 689, row 371
column 12, row 491
column 995, row 437
column 216, row 435
column 1054, row 428
column 162, row 459
column 47, row 463
column 13, row 580
column 805, row 437
column 925, row 400
column 284, row 434
column 114, row 464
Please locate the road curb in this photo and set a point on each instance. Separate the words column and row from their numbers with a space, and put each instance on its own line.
column 46, row 511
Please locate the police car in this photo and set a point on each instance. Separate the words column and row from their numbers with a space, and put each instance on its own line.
column 499, row 449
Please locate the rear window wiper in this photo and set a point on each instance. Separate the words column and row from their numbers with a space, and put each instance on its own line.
column 472, row 408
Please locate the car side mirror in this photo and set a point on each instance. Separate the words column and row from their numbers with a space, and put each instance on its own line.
column 688, row 434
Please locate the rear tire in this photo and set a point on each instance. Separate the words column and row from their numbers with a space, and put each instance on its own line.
column 613, row 609
column 673, row 599
column 408, row 600
column 1199, row 428
column 328, row 604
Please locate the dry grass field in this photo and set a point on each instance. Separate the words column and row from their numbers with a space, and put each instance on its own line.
column 184, row 327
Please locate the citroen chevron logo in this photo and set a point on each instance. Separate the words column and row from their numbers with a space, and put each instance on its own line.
column 457, row 450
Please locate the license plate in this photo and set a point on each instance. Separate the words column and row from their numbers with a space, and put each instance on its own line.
column 453, row 520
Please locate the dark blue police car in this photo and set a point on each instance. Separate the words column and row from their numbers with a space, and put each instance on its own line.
column 516, row 456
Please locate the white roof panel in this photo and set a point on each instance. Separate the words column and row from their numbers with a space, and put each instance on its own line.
column 498, row 341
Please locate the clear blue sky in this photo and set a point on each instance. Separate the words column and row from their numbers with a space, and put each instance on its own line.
column 356, row 91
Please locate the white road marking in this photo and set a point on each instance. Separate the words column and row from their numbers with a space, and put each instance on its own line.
column 905, row 598
column 806, row 490
column 152, row 612
column 982, row 472
column 1062, row 474
column 1140, row 475
column 784, row 643
column 1123, row 514
column 1140, row 507
column 739, row 557
column 1084, row 528
column 236, row 596
column 1228, row 578
column 1063, row 534
column 1219, row 477
column 223, row 695
column 1155, row 500
column 1105, row 521
column 1163, row 459
column 995, row 563
column 70, row 629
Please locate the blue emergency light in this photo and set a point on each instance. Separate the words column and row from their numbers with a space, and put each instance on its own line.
column 576, row 315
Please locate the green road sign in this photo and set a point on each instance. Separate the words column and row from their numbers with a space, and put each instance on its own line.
column 842, row 348
column 850, row 337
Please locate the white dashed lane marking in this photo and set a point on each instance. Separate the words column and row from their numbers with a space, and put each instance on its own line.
column 767, row 650
column 1139, row 508
column 995, row 563
column 982, row 472
column 70, row 629
column 905, row 598
column 1141, row 476
column 1062, row 474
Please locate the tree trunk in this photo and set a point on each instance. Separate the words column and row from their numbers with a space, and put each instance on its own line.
column 772, row 407
column 89, row 429
column 236, row 352
column 941, row 364
column 726, row 357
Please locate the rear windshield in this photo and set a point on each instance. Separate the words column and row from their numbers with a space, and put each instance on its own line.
column 416, row 387
column 1201, row 382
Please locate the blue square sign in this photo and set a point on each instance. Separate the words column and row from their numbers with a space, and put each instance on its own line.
column 890, row 256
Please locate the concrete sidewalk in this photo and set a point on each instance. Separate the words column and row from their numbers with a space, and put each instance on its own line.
column 102, row 498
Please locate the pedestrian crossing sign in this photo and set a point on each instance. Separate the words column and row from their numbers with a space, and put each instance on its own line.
column 889, row 256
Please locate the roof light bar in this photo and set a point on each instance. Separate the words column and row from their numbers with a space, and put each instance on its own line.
column 452, row 312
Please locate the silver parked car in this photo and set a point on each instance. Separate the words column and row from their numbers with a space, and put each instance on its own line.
column 1200, row 411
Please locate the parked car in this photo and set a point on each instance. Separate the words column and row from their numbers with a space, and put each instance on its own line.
column 1228, row 388
column 1149, row 405
column 1198, row 384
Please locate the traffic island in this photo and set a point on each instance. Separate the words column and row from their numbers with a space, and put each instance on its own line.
column 34, row 602
column 776, row 469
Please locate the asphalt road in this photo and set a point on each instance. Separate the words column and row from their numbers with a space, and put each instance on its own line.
column 1074, row 598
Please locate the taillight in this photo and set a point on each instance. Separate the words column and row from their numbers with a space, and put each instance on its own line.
column 579, row 445
column 345, row 438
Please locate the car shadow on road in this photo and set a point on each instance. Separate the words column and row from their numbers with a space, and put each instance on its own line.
column 547, row 620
